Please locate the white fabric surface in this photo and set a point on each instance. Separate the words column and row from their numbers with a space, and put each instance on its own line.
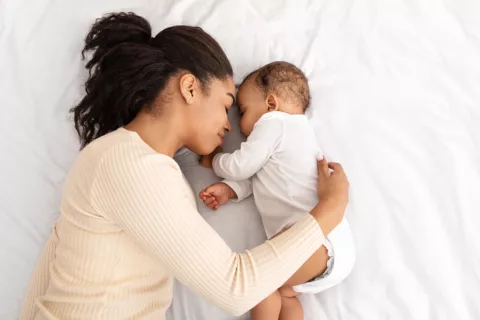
column 396, row 90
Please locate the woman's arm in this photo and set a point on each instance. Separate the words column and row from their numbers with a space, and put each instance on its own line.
column 146, row 195
column 40, row 279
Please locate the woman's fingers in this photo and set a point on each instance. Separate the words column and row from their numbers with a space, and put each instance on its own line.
column 338, row 171
column 335, row 166
column 322, row 166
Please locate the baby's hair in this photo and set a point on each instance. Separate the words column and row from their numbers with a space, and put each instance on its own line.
column 285, row 80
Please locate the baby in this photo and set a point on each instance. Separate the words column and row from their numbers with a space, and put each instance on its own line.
column 278, row 164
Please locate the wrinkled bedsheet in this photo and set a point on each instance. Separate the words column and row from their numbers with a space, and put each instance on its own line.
column 395, row 90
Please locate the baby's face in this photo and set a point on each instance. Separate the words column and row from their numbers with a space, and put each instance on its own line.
column 252, row 104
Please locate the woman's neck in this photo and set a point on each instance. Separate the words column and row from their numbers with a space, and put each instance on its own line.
column 161, row 133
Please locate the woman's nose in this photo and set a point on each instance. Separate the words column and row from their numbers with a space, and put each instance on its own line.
column 228, row 127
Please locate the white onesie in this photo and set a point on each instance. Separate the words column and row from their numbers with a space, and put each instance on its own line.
column 278, row 164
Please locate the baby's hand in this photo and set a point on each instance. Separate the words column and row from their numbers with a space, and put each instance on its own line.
column 217, row 194
column 206, row 161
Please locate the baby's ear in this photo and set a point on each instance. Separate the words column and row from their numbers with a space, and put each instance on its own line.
column 272, row 103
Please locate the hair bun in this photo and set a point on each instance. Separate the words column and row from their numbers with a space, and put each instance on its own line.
column 115, row 29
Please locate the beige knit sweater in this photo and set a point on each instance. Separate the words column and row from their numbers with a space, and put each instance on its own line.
column 129, row 226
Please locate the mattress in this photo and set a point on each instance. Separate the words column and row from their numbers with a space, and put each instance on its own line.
column 395, row 88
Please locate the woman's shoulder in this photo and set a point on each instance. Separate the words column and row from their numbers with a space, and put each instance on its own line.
column 124, row 149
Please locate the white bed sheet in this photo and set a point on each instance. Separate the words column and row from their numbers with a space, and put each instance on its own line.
column 396, row 92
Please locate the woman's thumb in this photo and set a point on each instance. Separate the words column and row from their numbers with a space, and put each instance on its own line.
column 322, row 166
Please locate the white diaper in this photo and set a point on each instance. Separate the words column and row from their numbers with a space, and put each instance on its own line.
column 341, row 249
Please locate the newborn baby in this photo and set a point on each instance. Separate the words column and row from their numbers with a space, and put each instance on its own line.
column 278, row 164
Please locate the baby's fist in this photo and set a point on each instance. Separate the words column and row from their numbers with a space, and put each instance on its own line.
column 217, row 195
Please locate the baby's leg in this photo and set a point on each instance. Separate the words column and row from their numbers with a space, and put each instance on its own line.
column 269, row 308
column 283, row 303
column 315, row 266
column 291, row 307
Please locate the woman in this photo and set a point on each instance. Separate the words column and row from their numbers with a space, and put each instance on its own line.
column 128, row 223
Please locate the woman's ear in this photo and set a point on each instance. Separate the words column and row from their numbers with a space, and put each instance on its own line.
column 188, row 87
column 272, row 103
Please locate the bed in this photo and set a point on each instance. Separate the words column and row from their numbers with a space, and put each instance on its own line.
column 395, row 98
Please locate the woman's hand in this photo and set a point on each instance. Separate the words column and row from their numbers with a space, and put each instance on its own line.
column 333, row 193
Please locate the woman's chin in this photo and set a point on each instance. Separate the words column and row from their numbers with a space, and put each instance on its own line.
column 203, row 150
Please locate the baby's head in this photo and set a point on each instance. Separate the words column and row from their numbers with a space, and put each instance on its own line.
column 277, row 86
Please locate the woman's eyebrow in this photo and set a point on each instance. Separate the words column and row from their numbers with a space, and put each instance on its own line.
column 231, row 96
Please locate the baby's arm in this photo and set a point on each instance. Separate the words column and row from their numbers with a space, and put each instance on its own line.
column 242, row 188
column 253, row 154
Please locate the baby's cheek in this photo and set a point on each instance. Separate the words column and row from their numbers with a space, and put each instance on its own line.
column 241, row 123
column 243, row 127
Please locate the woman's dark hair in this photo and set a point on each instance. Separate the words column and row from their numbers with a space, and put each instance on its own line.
column 129, row 69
